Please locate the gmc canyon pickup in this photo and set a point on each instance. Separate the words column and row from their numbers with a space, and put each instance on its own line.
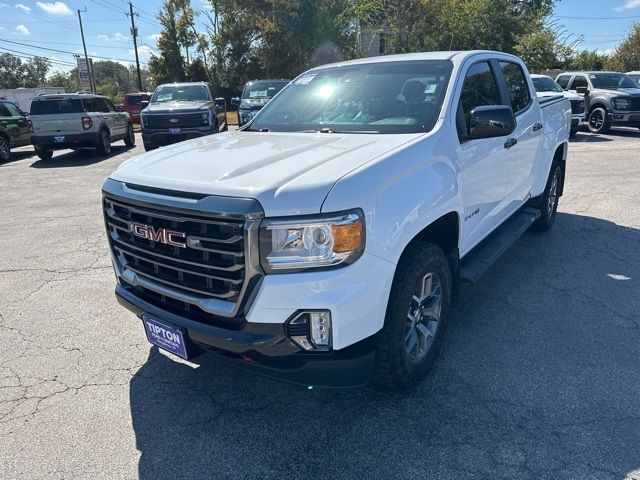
column 324, row 242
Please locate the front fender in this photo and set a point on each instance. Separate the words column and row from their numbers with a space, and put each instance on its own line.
column 401, row 193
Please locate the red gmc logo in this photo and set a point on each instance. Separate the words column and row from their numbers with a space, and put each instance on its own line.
column 161, row 235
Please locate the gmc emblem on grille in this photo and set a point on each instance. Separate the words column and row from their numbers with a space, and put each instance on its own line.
column 161, row 235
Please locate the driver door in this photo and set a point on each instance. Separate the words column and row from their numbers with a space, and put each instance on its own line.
column 488, row 165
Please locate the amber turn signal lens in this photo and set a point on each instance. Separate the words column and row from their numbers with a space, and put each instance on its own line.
column 347, row 238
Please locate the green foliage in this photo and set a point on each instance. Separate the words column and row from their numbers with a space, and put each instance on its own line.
column 15, row 73
column 66, row 80
column 627, row 56
column 588, row 60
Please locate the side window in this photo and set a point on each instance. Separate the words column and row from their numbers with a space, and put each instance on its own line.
column 101, row 103
column 212, row 93
column 479, row 88
column 4, row 111
column 90, row 105
column 13, row 110
column 563, row 81
column 579, row 81
column 110, row 105
column 516, row 85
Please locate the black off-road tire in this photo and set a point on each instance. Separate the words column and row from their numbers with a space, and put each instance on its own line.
column 573, row 132
column 395, row 369
column 130, row 138
column 103, row 148
column 150, row 146
column 549, row 201
column 44, row 154
column 5, row 149
column 598, row 121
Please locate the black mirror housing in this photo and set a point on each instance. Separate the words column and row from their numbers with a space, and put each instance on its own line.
column 220, row 102
column 490, row 121
column 582, row 90
column 235, row 101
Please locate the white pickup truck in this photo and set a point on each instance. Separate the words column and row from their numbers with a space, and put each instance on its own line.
column 325, row 241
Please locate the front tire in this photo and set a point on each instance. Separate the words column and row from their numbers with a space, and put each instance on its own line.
column 130, row 139
column 573, row 132
column 104, row 144
column 416, row 317
column 549, row 201
column 5, row 149
column 598, row 121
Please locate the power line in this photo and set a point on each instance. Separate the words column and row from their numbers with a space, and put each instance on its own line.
column 65, row 51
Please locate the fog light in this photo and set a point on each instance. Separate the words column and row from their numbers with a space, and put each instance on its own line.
column 320, row 328
column 311, row 330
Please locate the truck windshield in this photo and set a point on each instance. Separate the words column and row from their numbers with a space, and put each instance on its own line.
column 56, row 106
column 389, row 97
column 180, row 93
column 612, row 81
column 546, row 84
column 262, row 90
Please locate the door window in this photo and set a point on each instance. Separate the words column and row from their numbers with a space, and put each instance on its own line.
column 13, row 110
column 90, row 105
column 110, row 105
column 101, row 105
column 563, row 81
column 579, row 81
column 517, row 86
column 479, row 88
column 4, row 111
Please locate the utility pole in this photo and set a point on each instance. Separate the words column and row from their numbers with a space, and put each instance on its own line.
column 86, row 58
column 134, row 34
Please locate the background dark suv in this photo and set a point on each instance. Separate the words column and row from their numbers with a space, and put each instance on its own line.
column 612, row 98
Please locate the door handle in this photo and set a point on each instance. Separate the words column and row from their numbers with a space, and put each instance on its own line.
column 510, row 143
column 537, row 126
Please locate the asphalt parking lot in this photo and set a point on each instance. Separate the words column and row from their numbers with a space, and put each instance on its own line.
column 538, row 378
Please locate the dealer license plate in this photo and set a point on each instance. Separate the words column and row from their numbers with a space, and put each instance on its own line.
column 59, row 139
column 174, row 131
column 165, row 336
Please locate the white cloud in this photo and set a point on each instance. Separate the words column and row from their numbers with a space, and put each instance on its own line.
column 628, row 5
column 154, row 37
column 144, row 52
column 54, row 8
column 22, row 7
column 116, row 37
column 22, row 30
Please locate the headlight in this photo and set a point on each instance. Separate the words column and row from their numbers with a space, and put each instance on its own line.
column 621, row 103
column 291, row 244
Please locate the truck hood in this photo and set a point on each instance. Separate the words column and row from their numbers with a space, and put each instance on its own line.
column 161, row 107
column 622, row 92
column 288, row 173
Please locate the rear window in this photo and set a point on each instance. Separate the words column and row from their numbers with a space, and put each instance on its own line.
column 56, row 106
column 135, row 99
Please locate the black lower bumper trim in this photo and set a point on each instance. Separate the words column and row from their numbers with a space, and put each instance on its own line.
column 80, row 140
column 264, row 348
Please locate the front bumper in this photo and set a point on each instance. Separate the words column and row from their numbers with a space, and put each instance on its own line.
column 624, row 118
column 165, row 137
column 80, row 140
column 264, row 348
column 578, row 120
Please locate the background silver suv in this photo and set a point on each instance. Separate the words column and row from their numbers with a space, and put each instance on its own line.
column 77, row 120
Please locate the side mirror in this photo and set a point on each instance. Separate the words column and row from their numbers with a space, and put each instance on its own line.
column 582, row 90
column 119, row 108
column 235, row 101
column 220, row 102
column 489, row 121
column 144, row 104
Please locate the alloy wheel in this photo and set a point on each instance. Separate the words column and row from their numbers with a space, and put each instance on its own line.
column 5, row 152
column 423, row 317
column 553, row 195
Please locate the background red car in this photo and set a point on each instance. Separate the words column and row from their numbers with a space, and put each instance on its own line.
column 133, row 104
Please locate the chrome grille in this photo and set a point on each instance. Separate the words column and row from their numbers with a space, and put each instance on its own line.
column 212, row 265
column 577, row 106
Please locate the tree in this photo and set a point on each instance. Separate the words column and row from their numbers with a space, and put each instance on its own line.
column 67, row 80
column 627, row 56
column 588, row 60
column 15, row 73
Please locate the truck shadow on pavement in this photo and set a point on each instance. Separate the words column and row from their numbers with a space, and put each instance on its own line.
column 78, row 158
column 537, row 378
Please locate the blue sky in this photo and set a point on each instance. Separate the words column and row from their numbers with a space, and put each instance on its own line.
column 28, row 27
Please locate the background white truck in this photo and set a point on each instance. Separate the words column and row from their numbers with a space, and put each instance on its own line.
column 22, row 96
column 325, row 241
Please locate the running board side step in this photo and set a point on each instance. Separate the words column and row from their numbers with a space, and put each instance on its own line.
column 478, row 261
